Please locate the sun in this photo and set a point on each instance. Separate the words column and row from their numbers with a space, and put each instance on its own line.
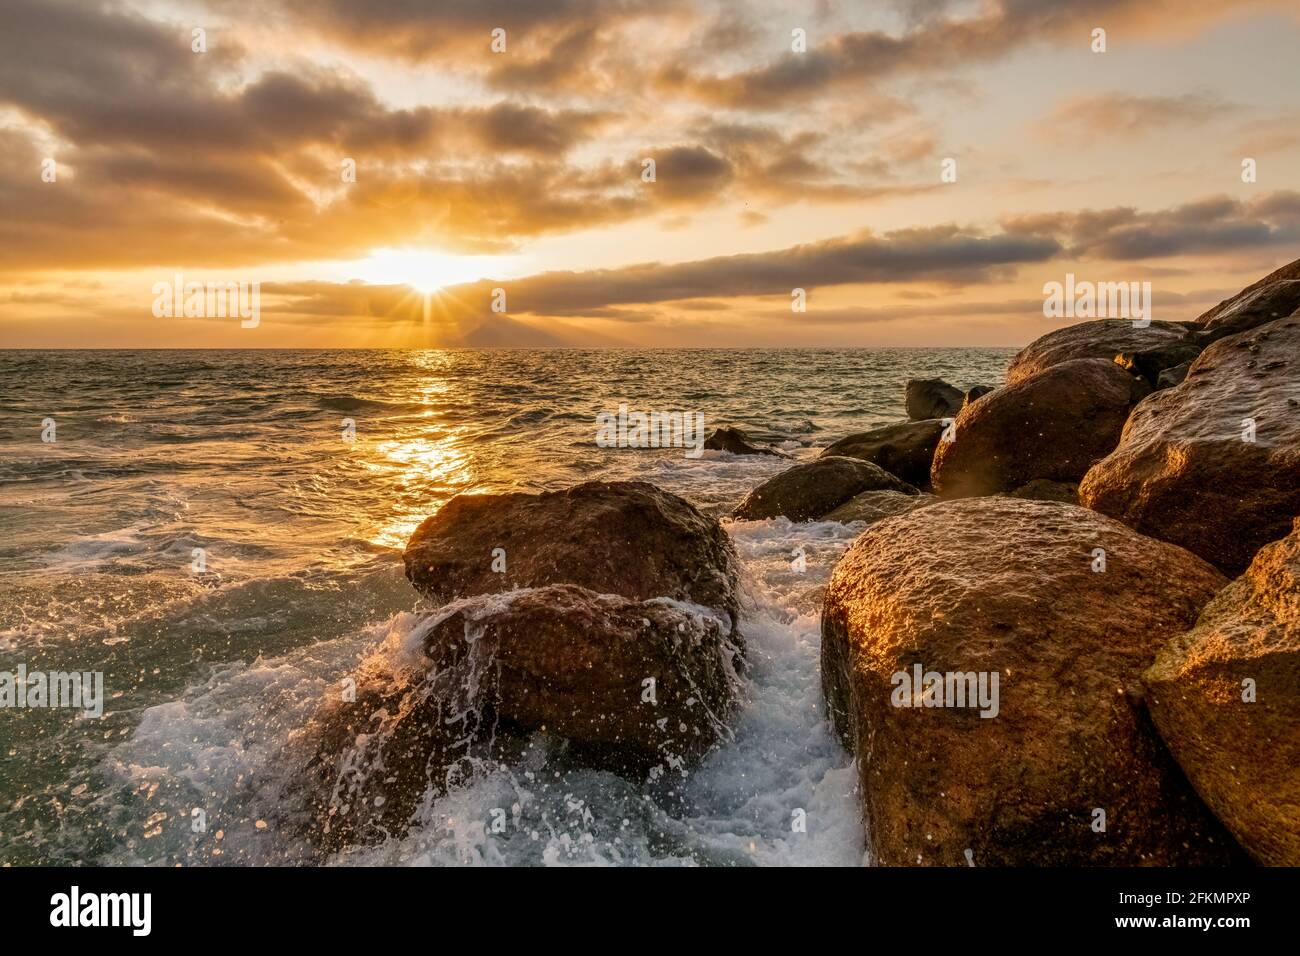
column 427, row 270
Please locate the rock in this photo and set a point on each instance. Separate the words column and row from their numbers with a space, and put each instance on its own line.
column 1099, row 338
column 1182, row 471
column 623, row 537
column 873, row 506
column 1000, row 585
column 809, row 490
column 931, row 398
column 1054, row 425
column 1242, row 757
column 1273, row 297
column 979, row 391
column 1150, row 364
column 479, row 678
column 904, row 449
column 1172, row 376
column 732, row 439
column 1041, row 490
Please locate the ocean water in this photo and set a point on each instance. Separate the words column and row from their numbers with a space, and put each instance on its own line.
column 209, row 672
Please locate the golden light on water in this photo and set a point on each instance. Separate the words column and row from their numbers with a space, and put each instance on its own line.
column 419, row 463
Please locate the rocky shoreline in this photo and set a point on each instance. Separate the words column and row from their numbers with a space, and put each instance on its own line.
column 1109, row 543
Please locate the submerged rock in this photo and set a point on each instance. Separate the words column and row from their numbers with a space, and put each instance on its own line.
column 1096, row 339
column 1054, row 426
column 621, row 537
column 1226, row 699
column 810, row 490
column 904, row 449
column 1213, row 464
column 1020, row 774
column 873, row 506
column 626, row 686
column 927, row 398
column 732, row 439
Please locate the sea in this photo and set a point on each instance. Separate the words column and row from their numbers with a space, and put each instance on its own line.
column 219, row 534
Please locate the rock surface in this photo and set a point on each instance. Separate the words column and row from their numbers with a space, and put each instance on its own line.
column 1182, row 471
column 904, row 449
column 873, row 506
column 1041, row 490
column 1054, row 425
column 1003, row 585
column 626, row 537
column 1273, row 297
column 1173, row 376
column 485, row 674
column 979, row 391
column 810, row 490
column 931, row 398
column 1099, row 338
column 732, row 439
column 1242, row 757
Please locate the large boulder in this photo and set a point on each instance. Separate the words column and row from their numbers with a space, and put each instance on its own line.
column 1273, row 297
column 1054, row 426
column 904, row 449
column 926, row 398
column 620, row 685
column 1226, row 699
column 873, row 506
column 1099, row 338
column 624, row 537
column 731, row 439
column 1191, row 468
column 809, row 490
column 1000, row 586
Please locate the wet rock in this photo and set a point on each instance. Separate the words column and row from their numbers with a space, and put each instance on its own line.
column 808, row 491
column 1187, row 470
column 1041, row 490
column 1054, row 426
column 1099, row 338
column 904, row 449
column 1172, row 376
column 1003, row 586
column 616, row 684
column 1150, row 364
column 931, row 398
column 624, row 537
column 1226, row 699
column 732, row 439
column 873, row 506
column 1273, row 297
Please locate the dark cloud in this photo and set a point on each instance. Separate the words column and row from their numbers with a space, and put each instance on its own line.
column 1218, row 224
column 947, row 254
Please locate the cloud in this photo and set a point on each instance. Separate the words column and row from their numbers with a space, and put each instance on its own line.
column 1104, row 119
column 934, row 40
column 1217, row 225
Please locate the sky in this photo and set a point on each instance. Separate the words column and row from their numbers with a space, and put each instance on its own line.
column 630, row 173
